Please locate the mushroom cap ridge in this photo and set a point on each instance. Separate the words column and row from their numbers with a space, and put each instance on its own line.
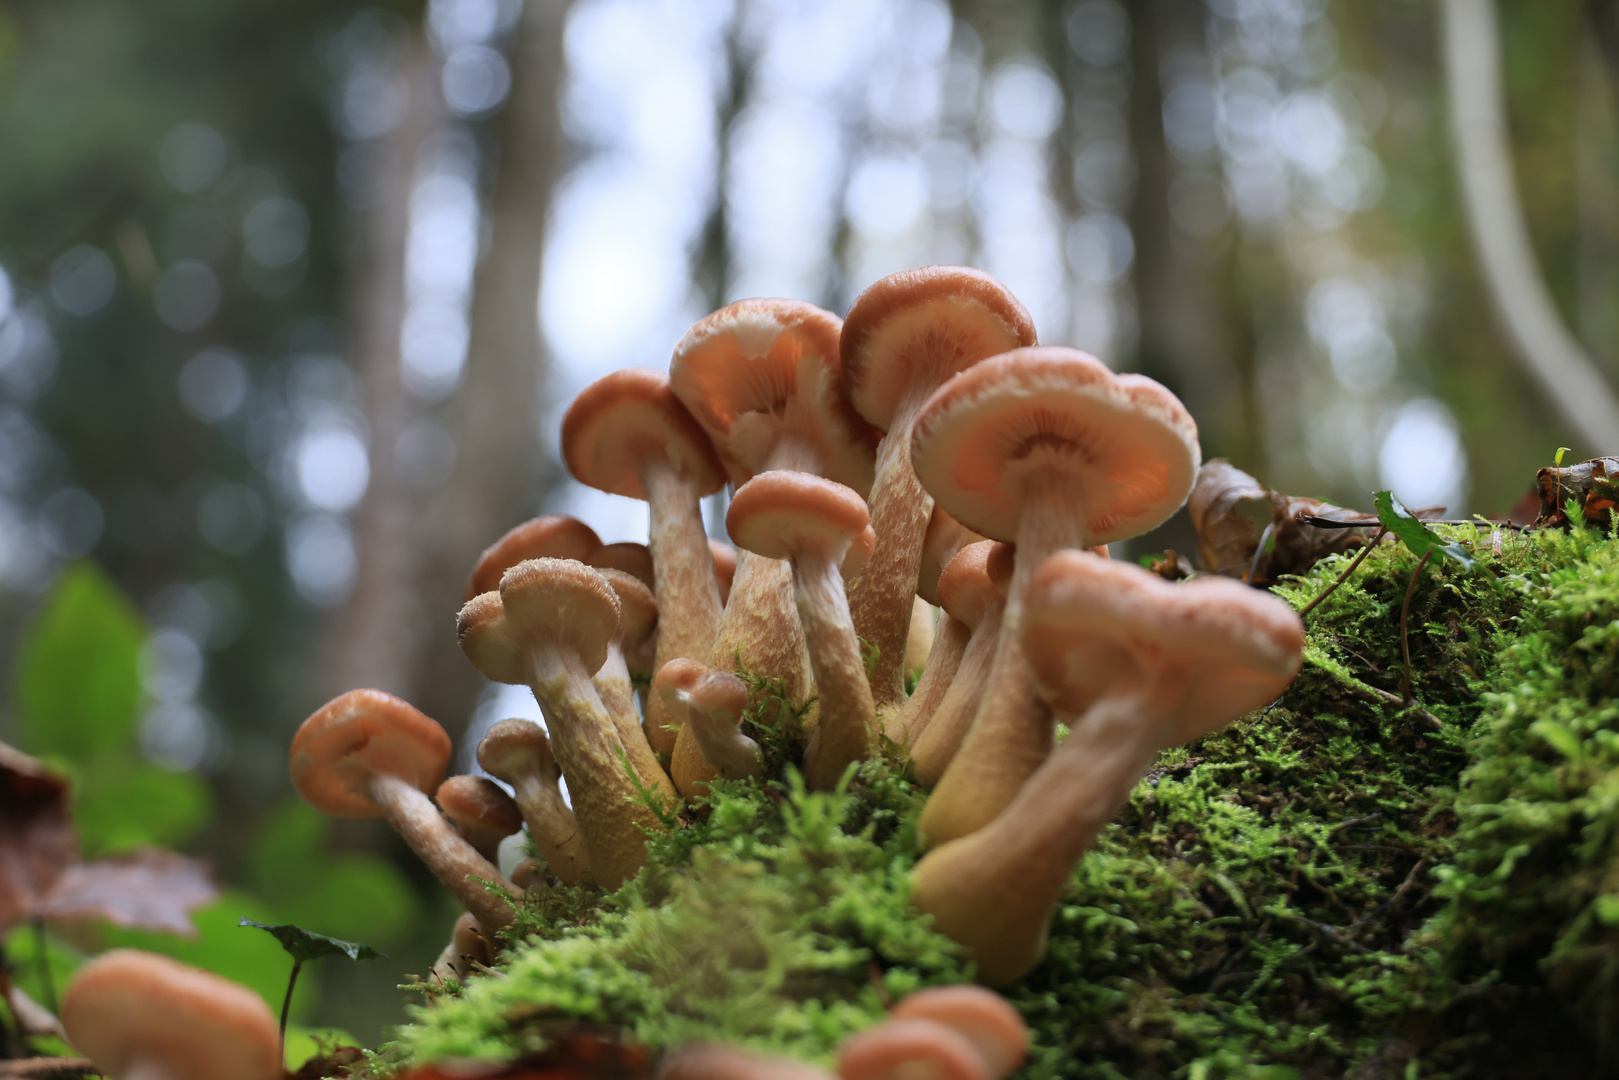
column 356, row 736
column 924, row 324
column 762, row 368
column 1088, row 622
column 1130, row 442
column 628, row 417
column 126, row 1005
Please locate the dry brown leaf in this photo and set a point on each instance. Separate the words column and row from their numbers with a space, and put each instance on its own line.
column 146, row 890
column 1593, row 484
column 1229, row 509
column 37, row 841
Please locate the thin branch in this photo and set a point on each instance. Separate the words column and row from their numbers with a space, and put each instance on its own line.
column 1341, row 578
column 1472, row 47
column 1405, row 613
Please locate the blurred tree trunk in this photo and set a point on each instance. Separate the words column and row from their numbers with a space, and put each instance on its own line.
column 500, row 463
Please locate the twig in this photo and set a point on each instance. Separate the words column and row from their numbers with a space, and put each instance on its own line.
column 1405, row 642
column 41, row 1068
column 1341, row 578
column 1377, row 693
column 1259, row 553
column 43, row 957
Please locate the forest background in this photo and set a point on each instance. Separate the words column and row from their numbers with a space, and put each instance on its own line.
column 292, row 295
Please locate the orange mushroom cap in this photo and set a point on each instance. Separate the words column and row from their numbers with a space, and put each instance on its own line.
column 563, row 602
column 133, row 1012
column 356, row 736
column 1089, row 622
column 758, row 372
column 900, row 1049
column 967, row 589
column 919, row 327
column 627, row 557
column 554, row 537
column 987, row 1019
column 637, row 610
column 1124, row 439
column 780, row 514
column 630, row 417
column 945, row 538
column 479, row 805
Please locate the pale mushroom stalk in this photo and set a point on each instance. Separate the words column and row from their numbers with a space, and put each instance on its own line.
column 950, row 640
column 1040, row 836
column 919, row 637
column 519, row 753
column 941, row 736
column 637, row 614
column 452, row 860
column 848, row 725
column 683, row 568
column 709, row 704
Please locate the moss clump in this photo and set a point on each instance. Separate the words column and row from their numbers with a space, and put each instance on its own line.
column 1300, row 895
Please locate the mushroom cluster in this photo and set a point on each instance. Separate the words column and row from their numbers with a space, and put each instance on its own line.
column 923, row 451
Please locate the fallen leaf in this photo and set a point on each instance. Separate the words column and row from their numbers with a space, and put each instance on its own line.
column 37, row 841
column 1229, row 509
column 1593, row 485
column 149, row 889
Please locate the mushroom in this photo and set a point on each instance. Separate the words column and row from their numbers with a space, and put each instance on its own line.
column 1142, row 664
column 988, row 1021
column 518, row 752
column 911, row 1049
column 637, row 618
column 482, row 813
column 919, row 636
column 367, row 754
column 468, row 947
column 548, row 628
column 711, row 703
column 140, row 1016
column 553, row 537
column 627, row 434
column 1046, row 448
column 904, row 336
column 626, row 557
column 724, row 567
column 972, row 590
column 762, row 378
column 813, row 524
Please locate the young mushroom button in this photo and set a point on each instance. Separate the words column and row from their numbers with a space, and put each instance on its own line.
column 367, row 754
column 518, row 752
column 711, row 704
column 905, row 335
column 627, row 434
column 1048, row 449
column 140, row 1016
column 813, row 523
column 483, row 814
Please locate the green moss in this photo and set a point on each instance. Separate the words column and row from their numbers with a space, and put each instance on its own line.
column 1301, row 894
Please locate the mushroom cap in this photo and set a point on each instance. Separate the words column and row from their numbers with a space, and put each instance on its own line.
column 917, row 328
column 513, row 748
column 127, row 1006
column 724, row 566
column 555, row 537
column 626, row 556
column 563, row 603
column 967, row 589
column 861, row 548
column 356, row 736
column 899, row 1049
column 987, row 1019
column 630, row 417
column 637, row 611
column 489, row 642
column 988, row 432
column 478, row 802
column 1088, row 622
column 944, row 539
column 686, row 683
column 782, row 514
column 759, row 371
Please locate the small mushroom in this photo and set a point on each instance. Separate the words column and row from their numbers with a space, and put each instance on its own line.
column 1046, row 448
column 140, row 1016
column 637, row 618
column 626, row 557
column 468, row 947
column 904, row 336
column 711, row 702
column 548, row 628
column 367, row 754
column 813, row 524
column 988, row 1021
column 627, row 434
column 482, row 813
column 553, row 537
column 911, row 1049
column 1143, row 664
column 518, row 752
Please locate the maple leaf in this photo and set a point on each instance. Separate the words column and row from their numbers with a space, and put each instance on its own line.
column 149, row 889
column 37, row 841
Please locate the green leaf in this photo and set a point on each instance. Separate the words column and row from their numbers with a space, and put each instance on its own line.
column 304, row 945
column 77, row 681
column 135, row 805
column 1557, row 459
column 1416, row 536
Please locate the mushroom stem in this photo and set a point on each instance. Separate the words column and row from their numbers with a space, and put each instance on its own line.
column 880, row 597
column 452, row 860
column 1012, row 731
column 519, row 753
column 936, row 747
column 617, row 692
column 950, row 640
column 683, row 569
column 848, row 726
column 1040, row 836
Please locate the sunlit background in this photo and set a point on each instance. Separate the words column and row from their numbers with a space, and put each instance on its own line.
column 293, row 295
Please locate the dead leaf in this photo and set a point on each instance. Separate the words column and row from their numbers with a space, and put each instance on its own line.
column 1593, row 484
column 147, row 890
column 37, row 841
column 1229, row 509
